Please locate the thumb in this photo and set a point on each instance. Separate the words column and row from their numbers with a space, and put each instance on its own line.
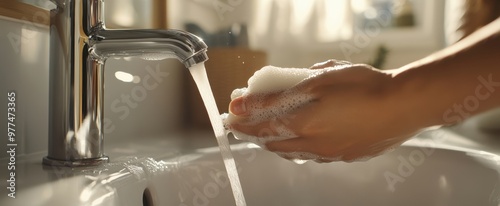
column 243, row 105
column 238, row 106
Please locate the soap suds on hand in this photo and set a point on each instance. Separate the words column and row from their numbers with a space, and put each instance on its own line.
column 271, row 79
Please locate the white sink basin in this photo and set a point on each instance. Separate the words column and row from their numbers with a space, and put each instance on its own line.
column 411, row 175
column 405, row 177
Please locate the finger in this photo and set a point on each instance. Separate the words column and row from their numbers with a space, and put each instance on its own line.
column 290, row 145
column 328, row 160
column 296, row 156
column 299, row 148
column 357, row 157
column 285, row 156
column 273, row 127
column 244, row 105
column 329, row 63
column 238, row 106
column 321, row 65
column 258, row 130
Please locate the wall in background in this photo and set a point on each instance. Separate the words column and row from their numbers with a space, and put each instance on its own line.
column 404, row 44
column 24, row 70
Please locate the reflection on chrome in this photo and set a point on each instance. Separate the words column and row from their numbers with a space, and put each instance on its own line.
column 124, row 76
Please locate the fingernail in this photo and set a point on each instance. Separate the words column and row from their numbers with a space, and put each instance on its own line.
column 237, row 106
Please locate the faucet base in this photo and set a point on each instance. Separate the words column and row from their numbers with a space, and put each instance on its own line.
column 75, row 163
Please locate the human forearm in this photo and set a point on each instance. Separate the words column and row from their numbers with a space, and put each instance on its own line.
column 459, row 81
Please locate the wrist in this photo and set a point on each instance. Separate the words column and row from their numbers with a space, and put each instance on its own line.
column 420, row 100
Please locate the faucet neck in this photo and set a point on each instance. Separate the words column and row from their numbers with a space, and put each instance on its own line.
column 79, row 47
column 75, row 88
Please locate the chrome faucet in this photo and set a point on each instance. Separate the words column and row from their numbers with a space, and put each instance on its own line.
column 79, row 47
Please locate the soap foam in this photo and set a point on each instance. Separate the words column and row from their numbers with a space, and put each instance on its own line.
column 269, row 80
column 280, row 81
column 275, row 79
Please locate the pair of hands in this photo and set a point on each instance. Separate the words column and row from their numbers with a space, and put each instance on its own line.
column 356, row 113
column 359, row 112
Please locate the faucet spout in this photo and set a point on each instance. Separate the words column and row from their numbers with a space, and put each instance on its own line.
column 155, row 44
column 79, row 47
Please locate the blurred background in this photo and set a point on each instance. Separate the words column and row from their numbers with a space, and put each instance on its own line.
column 242, row 35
